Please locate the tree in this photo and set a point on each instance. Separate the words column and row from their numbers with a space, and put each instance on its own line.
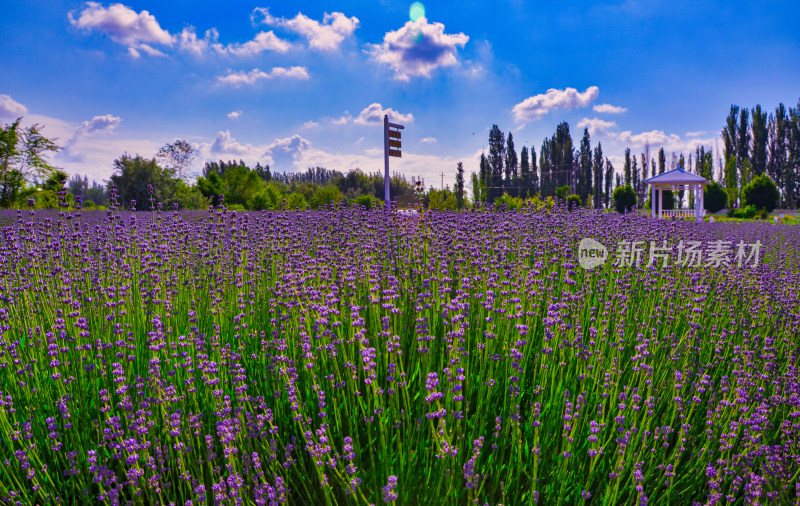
column 731, row 181
column 598, row 175
column 441, row 200
column 512, row 167
column 187, row 197
column 23, row 156
column 714, row 197
column 298, row 201
column 776, row 168
column 627, row 167
column 561, row 192
column 325, row 196
column 681, row 193
column 533, row 188
column 48, row 197
column 177, row 157
column 730, row 132
column 759, row 133
column 459, row 189
column 624, row 199
column 585, row 174
column 524, row 174
column 743, row 137
column 662, row 161
column 485, row 179
column 133, row 176
column 609, row 179
column 792, row 173
column 762, row 193
column 497, row 153
column 476, row 189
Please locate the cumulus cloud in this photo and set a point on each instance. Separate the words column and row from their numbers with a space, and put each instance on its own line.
column 74, row 149
column 225, row 144
column 234, row 115
column 609, row 109
column 533, row 108
column 285, row 152
column 658, row 138
column 428, row 140
column 596, row 125
column 417, row 49
column 373, row 115
column 240, row 78
column 263, row 41
column 123, row 25
column 10, row 108
column 105, row 123
column 189, row 42
column 325, row 36
column 310, row 124
column 695, row 134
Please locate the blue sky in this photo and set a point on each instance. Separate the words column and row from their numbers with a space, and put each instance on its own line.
column 298, row 84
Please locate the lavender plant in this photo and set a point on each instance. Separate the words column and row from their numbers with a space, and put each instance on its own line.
column 364, row 357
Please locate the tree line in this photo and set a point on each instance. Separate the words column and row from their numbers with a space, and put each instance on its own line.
column 755, row 142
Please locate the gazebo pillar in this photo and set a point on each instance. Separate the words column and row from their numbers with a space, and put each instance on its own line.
column 702, row 200
column 660, row 202
column 652, row 201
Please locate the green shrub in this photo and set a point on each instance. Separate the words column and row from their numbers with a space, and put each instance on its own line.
column 367, row 201
column 714, row 198
column 624, row 199
column 745, row 213
column 561, row 192
column 574, row 202
column 296, row 201
column 761, row 193
column 508, row 200
column 762, row 214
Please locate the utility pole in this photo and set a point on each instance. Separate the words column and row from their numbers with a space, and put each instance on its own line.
column 389, row 130
column 442, row 180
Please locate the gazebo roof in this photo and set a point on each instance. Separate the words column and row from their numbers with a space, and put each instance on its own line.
column 676, row 176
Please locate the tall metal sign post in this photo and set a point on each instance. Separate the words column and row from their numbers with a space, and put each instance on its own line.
column 391, row 147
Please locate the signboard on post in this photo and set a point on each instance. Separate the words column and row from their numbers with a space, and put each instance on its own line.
column 391, row 147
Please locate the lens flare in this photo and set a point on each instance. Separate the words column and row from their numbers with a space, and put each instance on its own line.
column 416, row 11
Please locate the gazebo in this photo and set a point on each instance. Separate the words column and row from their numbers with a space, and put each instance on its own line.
column 677, row 179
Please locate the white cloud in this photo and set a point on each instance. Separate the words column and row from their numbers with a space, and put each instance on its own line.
column 10, row 108
column 658, row 139
column 234, row 115
column 609, row 109
column 255, row 75
column 596, row 125
column 285, row 152
column 695, row 134
column 263, row 41
column 373, row 115
column 417, row 49
column 310, row 124
column 533, row 108
column 105, row 123
column 428, row 140
column 225, row 144
column 124, row 26
column 188, row 41
column 75, row 145
column 325, row 36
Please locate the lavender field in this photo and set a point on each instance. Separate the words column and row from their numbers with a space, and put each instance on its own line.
column 359, row 357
